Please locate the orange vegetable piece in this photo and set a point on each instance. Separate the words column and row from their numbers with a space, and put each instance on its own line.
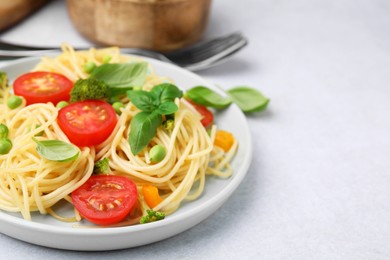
column 224, row 139
column 151, row 196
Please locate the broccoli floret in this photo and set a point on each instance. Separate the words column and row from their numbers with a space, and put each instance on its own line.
column 169, row 124
column 90, row 88
column 101, row 166
column 3, row 79
column 152, row 216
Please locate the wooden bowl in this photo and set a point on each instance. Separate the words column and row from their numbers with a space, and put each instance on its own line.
column 12, row 12
column 161, row 25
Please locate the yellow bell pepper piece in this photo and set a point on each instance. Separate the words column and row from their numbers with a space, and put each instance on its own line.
column 151, row 196
column 224, row 139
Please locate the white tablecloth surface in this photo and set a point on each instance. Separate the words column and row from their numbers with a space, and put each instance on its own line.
column 319, row 183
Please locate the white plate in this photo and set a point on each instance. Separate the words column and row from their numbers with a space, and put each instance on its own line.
column 46, row 231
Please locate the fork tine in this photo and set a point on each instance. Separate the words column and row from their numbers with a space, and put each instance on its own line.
column 218, row 58
column 205, row 50
column 200, row 47
column 217, row 48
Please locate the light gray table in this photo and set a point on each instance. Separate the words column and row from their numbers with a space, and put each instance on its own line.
column 319, row 183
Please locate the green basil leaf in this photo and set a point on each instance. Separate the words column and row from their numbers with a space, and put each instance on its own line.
column 166, row 92
column 248, row 99
column 143, row 100
column 167, row 108
column 121, row 77
column 207, row 97
column 56, row 150
column 143, row 128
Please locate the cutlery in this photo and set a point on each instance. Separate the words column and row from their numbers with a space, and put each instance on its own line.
column 195, row 58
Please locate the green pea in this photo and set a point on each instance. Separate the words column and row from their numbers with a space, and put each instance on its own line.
column 89, row 66
column 14, row 102
column 5, row 145
column 3, row 131
column 157, row 153
column 106, row 58
column 117, row 107
column 62, row 104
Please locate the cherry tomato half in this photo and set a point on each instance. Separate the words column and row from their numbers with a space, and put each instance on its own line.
column 87, row 123
column 105, row 199
column 43, row 87
column 208, row 116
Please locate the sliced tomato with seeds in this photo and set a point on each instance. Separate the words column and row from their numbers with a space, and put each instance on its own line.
column 105, row 199
column 43, row 87
column 87, row 123
column 207, row 115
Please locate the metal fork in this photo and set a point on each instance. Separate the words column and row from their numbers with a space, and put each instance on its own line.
column 195, row 58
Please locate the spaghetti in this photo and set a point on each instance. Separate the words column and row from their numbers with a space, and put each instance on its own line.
column 30, row 183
